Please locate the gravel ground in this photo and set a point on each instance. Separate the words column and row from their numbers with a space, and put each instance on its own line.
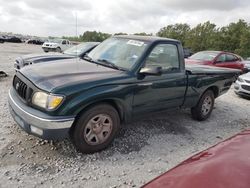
column 142, row 151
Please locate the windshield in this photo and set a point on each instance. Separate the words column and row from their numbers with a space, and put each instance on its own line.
column 79, row 49
column 55, row 40
column 120, row 52
column 206, row 56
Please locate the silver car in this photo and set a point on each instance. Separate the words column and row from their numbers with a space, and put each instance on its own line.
column 242, row 85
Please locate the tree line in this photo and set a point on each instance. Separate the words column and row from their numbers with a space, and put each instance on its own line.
column 235, row 37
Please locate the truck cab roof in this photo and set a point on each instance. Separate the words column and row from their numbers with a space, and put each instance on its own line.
column 146, row 38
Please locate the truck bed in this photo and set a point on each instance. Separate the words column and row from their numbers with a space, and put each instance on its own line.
column 209, row 70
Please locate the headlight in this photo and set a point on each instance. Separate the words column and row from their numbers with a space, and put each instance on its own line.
column 27, row 63
column 46, row 101
column 240, row 79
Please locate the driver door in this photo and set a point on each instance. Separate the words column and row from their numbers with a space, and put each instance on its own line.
column 155, row 93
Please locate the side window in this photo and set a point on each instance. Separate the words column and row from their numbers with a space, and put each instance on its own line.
column 221, row 58
column 165, row 56
column 64, row 42
column 230, row 58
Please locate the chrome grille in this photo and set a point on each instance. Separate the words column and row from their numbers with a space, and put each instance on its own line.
column 247, row 81
column 246, row 87
column 20, row 87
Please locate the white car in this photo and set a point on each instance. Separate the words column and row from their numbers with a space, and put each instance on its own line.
column 242, row 85
column 56, row 45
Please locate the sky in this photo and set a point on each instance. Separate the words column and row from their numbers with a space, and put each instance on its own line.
column 58, row 17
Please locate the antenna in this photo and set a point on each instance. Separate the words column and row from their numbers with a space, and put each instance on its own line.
column 76, row 24
column 76, row 38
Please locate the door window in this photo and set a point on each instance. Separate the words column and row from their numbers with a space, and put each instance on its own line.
column 231, row 58
column 64, row 42
column 165, row 56
column 221, row 58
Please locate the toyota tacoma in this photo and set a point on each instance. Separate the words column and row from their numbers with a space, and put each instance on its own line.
column 123, row 78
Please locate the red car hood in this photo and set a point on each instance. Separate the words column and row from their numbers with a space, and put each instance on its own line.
column 225, row 165
column 201, row 62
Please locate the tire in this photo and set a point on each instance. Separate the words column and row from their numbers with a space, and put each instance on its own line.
column 204, row 107
column 46, row 51
column 96, row 128
column 58, row 49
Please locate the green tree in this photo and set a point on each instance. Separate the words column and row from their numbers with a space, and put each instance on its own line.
column 202, row 37
column 244, row 46
column 177, row 31
column 120, row 33
column 230, row 36
column 143, row 34
column 94, row 36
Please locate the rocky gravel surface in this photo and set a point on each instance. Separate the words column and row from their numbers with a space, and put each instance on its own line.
column 143, row 150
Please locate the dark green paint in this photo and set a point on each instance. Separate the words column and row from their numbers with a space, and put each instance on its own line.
column 84, row 83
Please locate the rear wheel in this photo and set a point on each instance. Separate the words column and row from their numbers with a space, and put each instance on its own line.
column 204, row 107
column 96, row 128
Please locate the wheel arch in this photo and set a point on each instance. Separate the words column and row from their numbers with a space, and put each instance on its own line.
column 215, row 90
column 116, row 104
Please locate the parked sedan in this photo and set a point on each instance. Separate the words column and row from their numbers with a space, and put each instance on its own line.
column 76, row 51
column 13, row 39
column 225, row 165
column 217, row 58
column 242, row 85
column 35, row 41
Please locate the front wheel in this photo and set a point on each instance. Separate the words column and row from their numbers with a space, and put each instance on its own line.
column 204, row 107
column 58, row 49
column 96, row 128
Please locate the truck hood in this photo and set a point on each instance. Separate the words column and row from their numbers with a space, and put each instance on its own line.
column 43, row 57
column 60, row 73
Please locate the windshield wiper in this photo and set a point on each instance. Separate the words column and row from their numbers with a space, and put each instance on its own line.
column 109, row 63
column 86, row 57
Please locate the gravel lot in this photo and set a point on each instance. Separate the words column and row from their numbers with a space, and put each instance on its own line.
column 143, row 150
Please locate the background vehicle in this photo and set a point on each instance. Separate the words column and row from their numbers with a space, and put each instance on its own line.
column 217, row 58
column 223, row 165
column 73, row 52
column 35, row 41
column 13, row 39
column 3, row 74
column 56, row 45
column 123, row 78
column 242, row 85
column 2, row 39
column 187, row 52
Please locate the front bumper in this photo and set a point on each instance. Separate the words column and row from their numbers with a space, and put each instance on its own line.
column 49, row 49
column 36, row 122
column 242, row 88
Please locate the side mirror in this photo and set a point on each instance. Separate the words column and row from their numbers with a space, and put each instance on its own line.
column 153, row 71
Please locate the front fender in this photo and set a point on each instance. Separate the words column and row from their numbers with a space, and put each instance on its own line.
column 121, row 95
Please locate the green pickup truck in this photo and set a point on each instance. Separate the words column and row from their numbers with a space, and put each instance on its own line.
column 123, row 78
